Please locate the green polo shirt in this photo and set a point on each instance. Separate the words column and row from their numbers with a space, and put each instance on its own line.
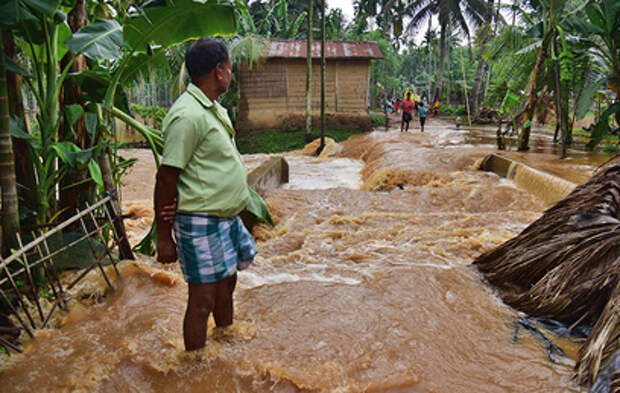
column 199, row 140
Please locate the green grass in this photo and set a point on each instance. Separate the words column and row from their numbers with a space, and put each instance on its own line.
column 281, row 141
column 378, row 120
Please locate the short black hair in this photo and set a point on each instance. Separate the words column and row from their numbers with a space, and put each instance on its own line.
column 203, row 55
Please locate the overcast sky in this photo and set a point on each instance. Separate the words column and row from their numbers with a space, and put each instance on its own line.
column 345, row 5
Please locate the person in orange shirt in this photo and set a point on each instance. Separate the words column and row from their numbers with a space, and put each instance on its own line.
column 407, row 106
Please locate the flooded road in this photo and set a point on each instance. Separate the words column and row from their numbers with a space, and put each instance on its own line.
column 362, row 286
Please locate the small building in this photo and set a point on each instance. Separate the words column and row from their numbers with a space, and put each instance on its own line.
column 272, row 95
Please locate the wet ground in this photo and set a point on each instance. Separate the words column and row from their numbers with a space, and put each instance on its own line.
column 364, row 285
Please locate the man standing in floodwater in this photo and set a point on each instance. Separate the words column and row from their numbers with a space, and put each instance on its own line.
column 203, row 170
column 407, row 106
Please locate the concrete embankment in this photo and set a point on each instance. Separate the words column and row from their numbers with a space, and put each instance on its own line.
column 268, row 175
column 546, row 187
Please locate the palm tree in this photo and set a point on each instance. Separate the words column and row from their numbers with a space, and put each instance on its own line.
column 484, row 33
column 10, row 216
column 548, row 16
column 449, row 12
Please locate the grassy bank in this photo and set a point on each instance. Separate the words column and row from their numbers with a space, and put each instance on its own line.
column 281, row 141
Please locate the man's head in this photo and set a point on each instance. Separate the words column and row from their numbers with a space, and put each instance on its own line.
column 409, row 95
column 208, row 58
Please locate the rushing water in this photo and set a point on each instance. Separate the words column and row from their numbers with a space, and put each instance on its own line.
column 360, row 287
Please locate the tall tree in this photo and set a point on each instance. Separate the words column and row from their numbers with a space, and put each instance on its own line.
column 545, row 18
column 449, row 13
column 484, row 34
column 10, row 215
column 76, row 187
column 24, row 168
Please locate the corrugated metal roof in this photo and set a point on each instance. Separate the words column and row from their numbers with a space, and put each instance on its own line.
column 333, row 49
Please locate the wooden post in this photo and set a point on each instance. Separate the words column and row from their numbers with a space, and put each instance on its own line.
column 123, row 243
column 322, row 146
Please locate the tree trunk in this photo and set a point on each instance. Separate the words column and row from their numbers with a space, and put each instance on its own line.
column 475, row 90
column 10, row 213
column 524, row 136
column 309, row 76
column 442, row 58
column 24, row 168
column 559, row 97
column 74, row 187
column 430, row 57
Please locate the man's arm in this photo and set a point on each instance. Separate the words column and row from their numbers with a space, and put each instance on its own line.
column 165, row 194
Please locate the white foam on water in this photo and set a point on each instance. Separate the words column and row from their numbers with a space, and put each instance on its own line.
column 310, row 173
column 250, row 279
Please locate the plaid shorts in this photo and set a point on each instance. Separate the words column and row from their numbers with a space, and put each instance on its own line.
column 212, row 248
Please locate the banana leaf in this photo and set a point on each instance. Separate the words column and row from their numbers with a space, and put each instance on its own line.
column 258, row 208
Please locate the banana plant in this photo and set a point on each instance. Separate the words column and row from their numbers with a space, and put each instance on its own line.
column 42, row 28
column 276, row 22
column 117, row 53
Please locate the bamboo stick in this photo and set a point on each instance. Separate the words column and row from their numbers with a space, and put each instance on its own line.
column 48, row 234
column 14, row 311
column 50, row 278
column 33, row 285
column 19, row 298
column 38, row 262
column 105, row 245
column 8, row 344
column 94, row 251
column 54, row 271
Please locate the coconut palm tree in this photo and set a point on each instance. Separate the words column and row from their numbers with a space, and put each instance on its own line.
column 10, row 216
column 450, row 13
column 484, row 35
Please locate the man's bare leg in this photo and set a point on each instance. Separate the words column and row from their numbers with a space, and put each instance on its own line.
column 223, row 311
column 200, row 304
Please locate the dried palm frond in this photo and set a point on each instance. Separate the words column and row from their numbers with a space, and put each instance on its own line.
column 566, row 266
column 602, row 343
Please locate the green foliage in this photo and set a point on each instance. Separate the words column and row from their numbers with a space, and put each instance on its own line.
column 101, row 40
column 155, row 114
column 120, row 49
column 276, row 21
column 611, row 148
column 279, row 141
column 602, row 127
column 378, row 120
column 177, row 22
column 458, row 110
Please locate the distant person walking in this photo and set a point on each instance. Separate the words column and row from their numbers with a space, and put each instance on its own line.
column 203, row 170
column 407, row 106
column 422, row 115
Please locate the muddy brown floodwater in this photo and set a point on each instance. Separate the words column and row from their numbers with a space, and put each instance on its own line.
column 356, row 289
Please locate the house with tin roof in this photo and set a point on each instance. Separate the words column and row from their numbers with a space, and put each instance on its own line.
column 272, row 95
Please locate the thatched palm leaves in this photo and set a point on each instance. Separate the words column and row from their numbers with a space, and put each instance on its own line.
column 566, row 266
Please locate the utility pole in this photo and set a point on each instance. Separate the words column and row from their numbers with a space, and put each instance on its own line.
column 309, row 75
column 322, row 146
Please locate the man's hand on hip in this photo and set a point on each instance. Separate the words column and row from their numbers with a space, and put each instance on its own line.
column 166, row 251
